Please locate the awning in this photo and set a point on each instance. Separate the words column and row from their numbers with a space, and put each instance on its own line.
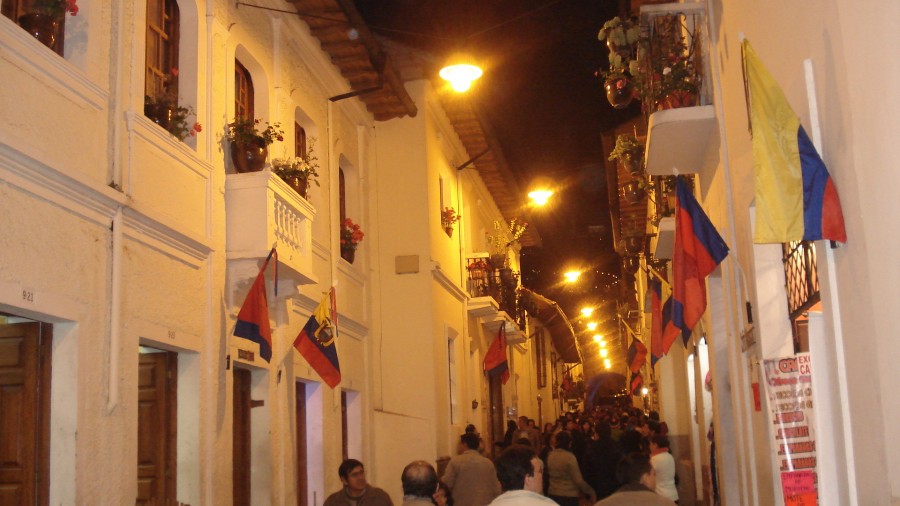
column 555, row 321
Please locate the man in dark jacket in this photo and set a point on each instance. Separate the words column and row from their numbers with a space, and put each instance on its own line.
column 356, row 491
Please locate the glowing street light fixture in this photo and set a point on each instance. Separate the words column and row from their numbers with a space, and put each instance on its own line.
column 602, row 343
column 607, row 364
column 460, row 73
column 592, row 325
column 598, row 338
column 604, row 353
column 645, row 391
column 587, row 311
column 540, row 197
column 572, row 276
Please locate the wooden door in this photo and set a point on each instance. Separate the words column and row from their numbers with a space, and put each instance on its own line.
column 25, row 353
column 240, row 466
column 302, row 483
column 157, row 391
column 495, row 392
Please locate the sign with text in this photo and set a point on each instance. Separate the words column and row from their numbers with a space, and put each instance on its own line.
column 789, row 390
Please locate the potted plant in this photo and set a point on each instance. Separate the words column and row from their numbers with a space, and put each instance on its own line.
column 505, row 234
column 351, row 236
column 635, row 190
column 629, row 151
column 667, row 70
column 250, row 146
column 164, row 110
column 448, row 218
column 620, row 90
column 43, row 17
column 298, row 171
column 620, row 36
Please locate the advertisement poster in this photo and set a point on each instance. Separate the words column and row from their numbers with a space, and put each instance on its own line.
column 789, row 390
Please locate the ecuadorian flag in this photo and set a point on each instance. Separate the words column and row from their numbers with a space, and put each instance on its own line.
column 795, row 196
column 316, row 343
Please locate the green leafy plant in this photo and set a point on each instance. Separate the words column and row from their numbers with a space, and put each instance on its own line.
column 666, row 70
column 245, row 131
column 628, row 147
column 620, row 32
column 55, row 8
column 304, row 168
column 505, row 234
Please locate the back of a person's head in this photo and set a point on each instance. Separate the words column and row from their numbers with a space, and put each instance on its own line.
column 523, row 441
column 513, row 465
column 660, row 441
column 654, row 415
column 471, row 440
column 563, row 440
column 419, row 479
column 632, row 467
column 470, row 429
column 347, row 467
column 603, row 430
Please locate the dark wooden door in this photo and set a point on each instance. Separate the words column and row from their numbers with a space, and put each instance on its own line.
column 157, row 391
column 241, row 439
column 25, row 353
column 302, row 483
column 495, row 392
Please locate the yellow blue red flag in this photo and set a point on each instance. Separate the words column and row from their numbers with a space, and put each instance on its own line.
column 316, row 342
column 795, row 196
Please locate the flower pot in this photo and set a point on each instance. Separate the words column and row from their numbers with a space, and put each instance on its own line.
column 43, row 27
column 449, row 231
column 506, row 276
column 300, row 185
column 348, row 253
column 631, row 264
column 498, row 261
column 633, row 193
column 161, row 114
column 625, row 50
column 619, row 93
column 250, row 157
column 677, row 99
column 633, row 245
column 632, row 164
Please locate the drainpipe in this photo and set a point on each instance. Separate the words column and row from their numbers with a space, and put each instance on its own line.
column 115, row 310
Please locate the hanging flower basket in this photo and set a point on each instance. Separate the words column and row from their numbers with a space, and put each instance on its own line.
column 633, row 192
column 619, row 92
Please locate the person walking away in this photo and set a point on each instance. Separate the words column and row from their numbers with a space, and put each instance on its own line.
column 566, row 483
column 520, row 473
column 664, row 466
column 443, row 496
column 420, row 482
column 356, row 491
column 603, row 457
column 639, row 479
column 471, row 476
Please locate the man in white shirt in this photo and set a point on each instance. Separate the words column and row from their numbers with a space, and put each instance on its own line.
column 521, row 474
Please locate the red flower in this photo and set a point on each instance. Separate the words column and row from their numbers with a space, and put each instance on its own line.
column 198, row 127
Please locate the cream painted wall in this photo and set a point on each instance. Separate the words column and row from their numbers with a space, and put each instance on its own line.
column 857, row 105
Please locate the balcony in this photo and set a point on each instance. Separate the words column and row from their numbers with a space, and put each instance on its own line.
column 681, row 140
column 261, row 210
column 493, row 298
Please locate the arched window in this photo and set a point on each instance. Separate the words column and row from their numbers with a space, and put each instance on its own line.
column 161, row 55
column 299, row 141
column 243, row 92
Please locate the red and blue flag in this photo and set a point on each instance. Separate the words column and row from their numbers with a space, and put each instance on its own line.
column 495, row 362
column 636, row 356
column 656, row 322
column 698, row 250
column 253, row 318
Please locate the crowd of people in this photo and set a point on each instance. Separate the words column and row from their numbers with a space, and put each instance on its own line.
column 608, row 456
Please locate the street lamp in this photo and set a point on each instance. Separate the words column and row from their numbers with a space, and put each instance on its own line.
column 587, row 311
column 572, row 276
column 460, row 72
column 592, row 326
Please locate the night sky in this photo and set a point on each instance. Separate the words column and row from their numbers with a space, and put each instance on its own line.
column 548, row 109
